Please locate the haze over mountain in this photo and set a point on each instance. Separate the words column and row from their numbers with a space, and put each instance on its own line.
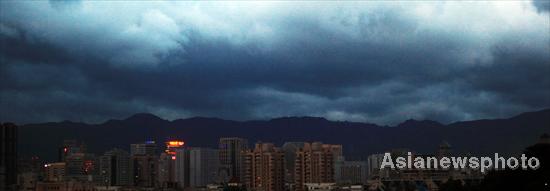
column 484, row 136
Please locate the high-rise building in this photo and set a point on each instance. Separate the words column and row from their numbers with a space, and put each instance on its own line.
column 182, row 168
column 167, row 164
column 143, row 170
column 204, row 164
column 264, row 168
column 290, row 149
column 8, row 156
column 81, row 166
column 143, row 164
column 167, row 171
column 145, row 148
column 196, row 167
column 231, row 155
column 352, row 172
column 114, row 168
column 54, row 172
column 316, row 163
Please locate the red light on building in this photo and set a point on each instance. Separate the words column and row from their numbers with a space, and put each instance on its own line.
column 175, row 143
column 172, row 145
column 88, row 166
column 173, row 157
column 65, row 149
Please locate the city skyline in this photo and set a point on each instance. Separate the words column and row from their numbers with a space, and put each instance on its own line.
column 274, row 95
column 376, row 62
column 316, row 166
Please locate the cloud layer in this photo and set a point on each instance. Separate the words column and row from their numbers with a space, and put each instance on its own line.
column 372, row 61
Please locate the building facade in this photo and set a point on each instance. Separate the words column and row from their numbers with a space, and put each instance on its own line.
column 54, row 172
column 167, row 164
column 316, row 163
column 264, row 168
column 143, row 170
column 81, row 166
column 182, row 168
column 114, row 168
column 352, row 172
column 290, row 149
column 231, row 151
column 167, row 171
column 204, row 164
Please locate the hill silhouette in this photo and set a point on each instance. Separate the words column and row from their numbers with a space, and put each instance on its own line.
column 505, row 136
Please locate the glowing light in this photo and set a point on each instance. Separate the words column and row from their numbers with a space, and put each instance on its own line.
column 88, row 166
column 172, row 145
column 175, row 143
column 173, row 157
column 65, row 149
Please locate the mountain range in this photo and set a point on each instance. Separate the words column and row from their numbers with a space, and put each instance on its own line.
column 479, row 137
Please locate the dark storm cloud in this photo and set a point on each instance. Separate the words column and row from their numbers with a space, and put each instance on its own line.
column 378, row 63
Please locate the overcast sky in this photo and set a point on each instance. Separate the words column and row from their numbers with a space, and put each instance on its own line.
column 376, row 62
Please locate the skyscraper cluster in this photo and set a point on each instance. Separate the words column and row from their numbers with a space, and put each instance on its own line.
column 174, row 166
column 234, row 165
